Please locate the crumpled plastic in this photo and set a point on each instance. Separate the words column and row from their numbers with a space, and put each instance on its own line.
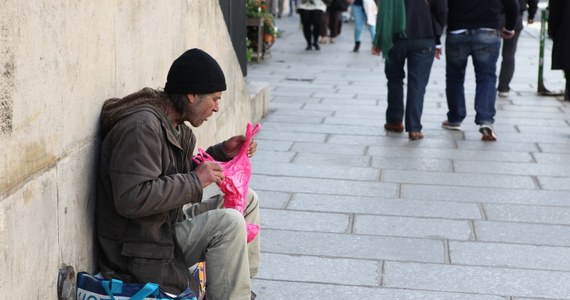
column 237, row 173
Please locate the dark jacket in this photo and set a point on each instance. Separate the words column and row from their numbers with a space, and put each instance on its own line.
column 425, row 18
column 471, row 14
column 559, row 30
column 144, row 178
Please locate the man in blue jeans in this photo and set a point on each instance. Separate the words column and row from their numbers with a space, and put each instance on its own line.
column 408, row 33
column 474, row 29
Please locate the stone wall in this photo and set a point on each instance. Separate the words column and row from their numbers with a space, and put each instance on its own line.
column 59, row 60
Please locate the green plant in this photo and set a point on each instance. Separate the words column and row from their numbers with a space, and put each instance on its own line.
column 256, row 8
column 269, row 25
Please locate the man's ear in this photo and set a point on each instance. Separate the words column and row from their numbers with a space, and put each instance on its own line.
column 191, row 98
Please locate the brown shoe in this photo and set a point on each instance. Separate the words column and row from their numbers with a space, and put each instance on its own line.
column 399, row 127
column 415, row 135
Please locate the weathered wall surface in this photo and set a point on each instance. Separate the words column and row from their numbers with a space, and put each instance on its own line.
column 59, row 60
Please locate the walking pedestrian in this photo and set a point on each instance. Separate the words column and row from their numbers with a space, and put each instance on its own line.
column 474, row 29
column 311, row 12
column 510, row 47
column 407, row 33
column 559, row 29
column 364, row 13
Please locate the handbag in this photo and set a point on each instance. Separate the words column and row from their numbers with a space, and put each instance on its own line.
column 96, row 287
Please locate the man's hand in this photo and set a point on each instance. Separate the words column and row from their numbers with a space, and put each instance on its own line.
column 209, row 172
column 507, row 34
column 530, row 20
column 437, row 52
column 234, row 144
column 376, row 51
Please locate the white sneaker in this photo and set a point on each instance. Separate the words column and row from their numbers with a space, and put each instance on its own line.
column 504, row 94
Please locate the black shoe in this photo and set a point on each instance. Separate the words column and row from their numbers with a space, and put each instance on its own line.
column 356, row 47
column 309, row 47
column 317, row 47
column 253, row 295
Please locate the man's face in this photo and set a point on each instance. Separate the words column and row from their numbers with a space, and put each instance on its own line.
column 201, row 107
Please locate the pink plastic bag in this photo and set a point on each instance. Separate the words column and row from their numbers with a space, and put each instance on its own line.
column 237, row 173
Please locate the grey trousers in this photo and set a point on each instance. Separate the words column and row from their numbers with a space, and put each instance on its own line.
column 218, row 236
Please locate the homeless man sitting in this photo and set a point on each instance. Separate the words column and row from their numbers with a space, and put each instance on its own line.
column 146, row 176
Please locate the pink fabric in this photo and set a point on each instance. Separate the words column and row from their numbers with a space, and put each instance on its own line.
column 237, row 173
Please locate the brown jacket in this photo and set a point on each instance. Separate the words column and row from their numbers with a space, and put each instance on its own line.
column 144, row 178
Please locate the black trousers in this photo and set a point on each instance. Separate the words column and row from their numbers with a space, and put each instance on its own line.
column 311, row 21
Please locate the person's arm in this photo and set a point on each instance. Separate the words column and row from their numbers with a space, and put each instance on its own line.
column 228, row 149
column 139, row 188
column 532, row 9
column 439, row 13
column 511, row 8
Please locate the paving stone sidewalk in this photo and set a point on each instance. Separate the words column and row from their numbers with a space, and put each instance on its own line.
column 350, row 211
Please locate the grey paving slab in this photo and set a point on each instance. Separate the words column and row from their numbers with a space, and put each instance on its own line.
column 484, row 280
column 271, row 290
column 290, row 136
column 417, row 164
column 528, row 213
column 385, row 141
column 301, row 113
column 308, row 221
column 509, row 168
column 555, row 148
column 342, row 160
column 484, row 195
column 554, row 183
column 324, row 128
column 294, row 119
column 458, row 179
column 263, row 156
column 317, row 170
column 325, row 186
column 503, row 146
column 271, row 145
column 368, row 101
column 320, row 269
column 352, row 246
column 451, row 154
column 271, row 199
column 288, row 105
column 523, row 233
column 509, row 255
column 387, row 207
column 329, row 148
column 412, row 227
column 355, row 108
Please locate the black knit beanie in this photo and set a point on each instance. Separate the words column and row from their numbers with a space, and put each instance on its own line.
column 195, row 72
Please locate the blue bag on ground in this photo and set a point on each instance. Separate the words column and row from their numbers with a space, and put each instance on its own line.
column 91, row 287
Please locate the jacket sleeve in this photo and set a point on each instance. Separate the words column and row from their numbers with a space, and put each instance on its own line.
column 532, row 8
column 139, row 186
column 554, row 16
column 511, row 12
column 439, row 15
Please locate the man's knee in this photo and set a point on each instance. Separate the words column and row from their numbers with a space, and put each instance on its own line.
column 232, row 217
